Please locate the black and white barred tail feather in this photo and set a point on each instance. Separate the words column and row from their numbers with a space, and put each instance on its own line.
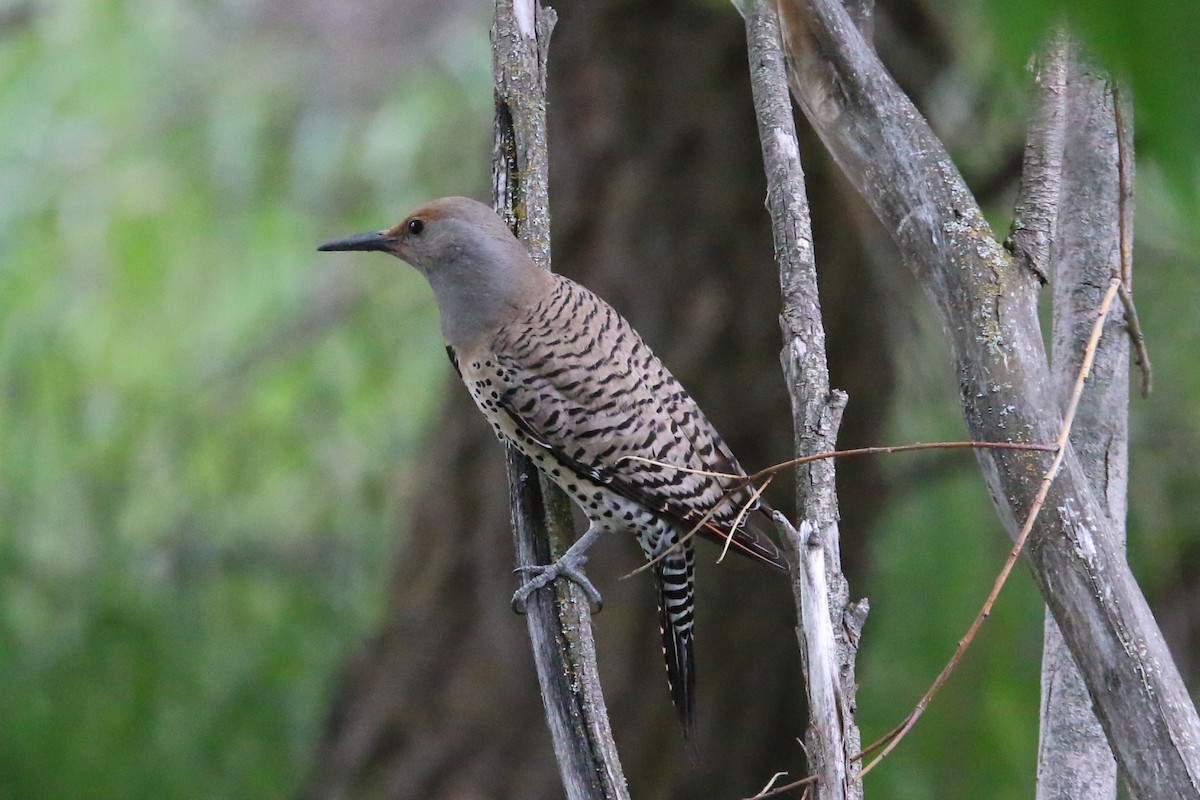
column 673, row 577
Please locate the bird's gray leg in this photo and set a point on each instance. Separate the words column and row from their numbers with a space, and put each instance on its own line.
column 568, row 565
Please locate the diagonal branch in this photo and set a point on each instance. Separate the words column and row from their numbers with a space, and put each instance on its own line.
column 988, row 307
column 893, row 738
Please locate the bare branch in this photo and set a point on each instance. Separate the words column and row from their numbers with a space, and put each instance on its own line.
column 988, row 306
column 1036, row 211
column 1123, row 110
column 830, row 626
column 559, row 627
column 1074, row 759
column 893, row 738
column 820, row 653
column 890, row 449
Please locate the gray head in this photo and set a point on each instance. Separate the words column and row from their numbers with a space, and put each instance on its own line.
column 480, row 274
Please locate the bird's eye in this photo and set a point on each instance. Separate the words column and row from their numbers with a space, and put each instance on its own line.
column 415, row 226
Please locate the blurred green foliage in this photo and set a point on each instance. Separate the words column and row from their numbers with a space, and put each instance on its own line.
column 1150, row 46
column 934, row 556
column 198, row 491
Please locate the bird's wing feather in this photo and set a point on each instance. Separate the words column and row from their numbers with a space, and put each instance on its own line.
column 604, row 405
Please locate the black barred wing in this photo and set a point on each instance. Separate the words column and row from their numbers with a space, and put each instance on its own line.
column 578, row 380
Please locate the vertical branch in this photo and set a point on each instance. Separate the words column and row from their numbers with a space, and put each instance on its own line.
column 1035, row 215
column 559, row 626
column 1074, row 759
column 829, row 624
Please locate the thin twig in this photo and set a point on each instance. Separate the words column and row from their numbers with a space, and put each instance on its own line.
column 1132, row 322
column 770, row 784
column 806, row 782
column 1125, row 191
column 742, row 481
column 856, row 451
column 899, row 448
column 708, row 515
column 687, row 470
column 893, row 738
column 741, row 515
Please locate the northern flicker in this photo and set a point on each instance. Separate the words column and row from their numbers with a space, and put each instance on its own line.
column 564, row 378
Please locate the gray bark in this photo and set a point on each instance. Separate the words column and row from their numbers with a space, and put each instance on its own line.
column 988, row 308
column 1035, row 214
column 829, row 626
column 1074, row 759
column 560, row 628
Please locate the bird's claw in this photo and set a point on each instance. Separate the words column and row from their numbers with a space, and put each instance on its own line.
column 544, row 574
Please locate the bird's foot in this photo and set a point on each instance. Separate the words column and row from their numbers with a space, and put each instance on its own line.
column 570, row 567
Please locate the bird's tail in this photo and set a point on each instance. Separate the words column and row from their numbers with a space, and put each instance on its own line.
column 674, row 576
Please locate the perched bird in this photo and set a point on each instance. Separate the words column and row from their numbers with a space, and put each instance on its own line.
column 565, row 379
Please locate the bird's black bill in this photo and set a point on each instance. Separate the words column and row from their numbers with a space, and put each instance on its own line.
column 371, row 240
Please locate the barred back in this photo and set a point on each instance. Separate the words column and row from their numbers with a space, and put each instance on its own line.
column 574, row 376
